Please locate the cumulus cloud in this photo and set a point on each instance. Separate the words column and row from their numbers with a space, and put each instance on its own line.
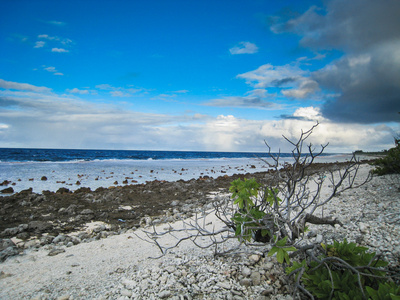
column 39, row 118
column 53, row 70
column 244, row 48
column 59, row 50
column 367, row 76
column 119, row 91
column 292, row 80
column 39, row 44
column 78, row 91
column 119, row 94
column 22, row 86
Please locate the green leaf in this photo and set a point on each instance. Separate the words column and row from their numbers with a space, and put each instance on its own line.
column 372, row 293
column 282, row 242
column 290, row 249
column 273, row 251
column 280, row 255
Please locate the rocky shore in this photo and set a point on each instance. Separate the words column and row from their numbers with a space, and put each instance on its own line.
column 84, row 245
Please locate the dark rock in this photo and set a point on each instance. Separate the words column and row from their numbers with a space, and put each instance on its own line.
column 7, row 249
column 63, row 190
column 8, row 190
column 23, row 235
column 83, row 190
column 39, row 226
column 44, row 178
column 5, row 182
column 27, row 191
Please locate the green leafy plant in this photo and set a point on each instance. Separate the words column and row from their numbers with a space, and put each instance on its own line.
column 249, row 217
column 344, row 271
column 281, row 250
column 389, row 164
column 386, row 291
column 243, row 192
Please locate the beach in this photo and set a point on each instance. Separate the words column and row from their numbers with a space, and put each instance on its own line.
column 107, row 259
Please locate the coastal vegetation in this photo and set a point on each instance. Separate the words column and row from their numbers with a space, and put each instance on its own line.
column 275, row 213
column 390, row 163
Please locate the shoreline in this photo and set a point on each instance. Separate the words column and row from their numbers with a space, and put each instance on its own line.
column 43, row 176
column 27, row 214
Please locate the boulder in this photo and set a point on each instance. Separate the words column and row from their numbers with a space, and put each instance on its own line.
column 7, row 249
column 39, row 226
column 8, row 190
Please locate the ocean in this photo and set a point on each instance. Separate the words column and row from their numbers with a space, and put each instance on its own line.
column 51, row 169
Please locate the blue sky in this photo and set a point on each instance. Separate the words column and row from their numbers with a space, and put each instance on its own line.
column 199, row 75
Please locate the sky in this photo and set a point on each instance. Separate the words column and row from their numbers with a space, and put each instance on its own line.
column 201, row 75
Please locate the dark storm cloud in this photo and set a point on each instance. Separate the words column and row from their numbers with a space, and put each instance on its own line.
column 367, row 77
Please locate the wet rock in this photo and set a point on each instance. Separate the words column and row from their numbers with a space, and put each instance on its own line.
column 39, row 226
column 63, row 190
column 8, row 190
column 44, row 178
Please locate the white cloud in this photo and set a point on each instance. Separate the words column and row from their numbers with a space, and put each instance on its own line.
column 22, row 86
column 53, row 70
column 244, row 48
column 47, row 37
column 44, row 119
column 78, row 91
column 58, row 23
column 119, row 94
column 50, row 69
column 290, row 79
column 104, row 86
column 59, row 50
column 39, row 44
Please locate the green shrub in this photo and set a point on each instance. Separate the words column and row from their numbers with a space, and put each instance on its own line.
column 341, row 270
column 389, row 164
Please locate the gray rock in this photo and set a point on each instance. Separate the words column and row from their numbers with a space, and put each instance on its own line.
column 246, row 282
column 56, row 251
column 319, row 238
column 255, row 258
column 224, row 284
column 39, row 226
column 87, row 212
column 267, row 291
column 164, row 294
column 59, row 238
column 255, row 278
column 7, row 249
column 126, row 293
column 246, row 272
